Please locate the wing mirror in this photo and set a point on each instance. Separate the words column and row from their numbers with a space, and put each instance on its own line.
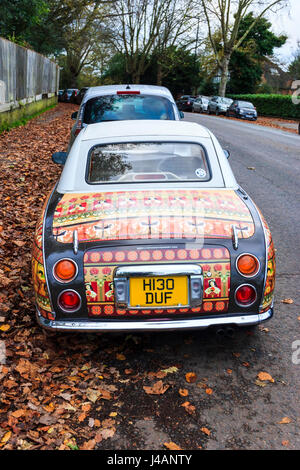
column 226, row 153
column 181, row 114
column 74, row 115
column 59, row 157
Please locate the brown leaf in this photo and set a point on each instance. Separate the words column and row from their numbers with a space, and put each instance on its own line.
column 209, row 391
column 191, row 377
column 183, row 392
column 172, row 446
column 285, row 420
column 157, row 389
column 188, row 407
column 264, row 376
column 206, row 431
column 88, row 445
column 287, row 301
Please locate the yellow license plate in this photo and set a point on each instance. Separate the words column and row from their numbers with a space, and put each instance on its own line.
column 164, row 291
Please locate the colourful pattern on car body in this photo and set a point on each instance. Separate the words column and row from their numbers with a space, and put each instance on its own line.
column 164, row 214
column 100, row 263
column 271, row 269
column 38, row 270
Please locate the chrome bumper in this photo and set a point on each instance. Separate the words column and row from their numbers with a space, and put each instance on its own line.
column 152, row 324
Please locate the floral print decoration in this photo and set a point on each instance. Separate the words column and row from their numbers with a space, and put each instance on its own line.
column 99, row 266
column 156, row 214
column 271, row 270
column 38, row 271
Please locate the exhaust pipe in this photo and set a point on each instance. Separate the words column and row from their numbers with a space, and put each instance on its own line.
column 226, row 331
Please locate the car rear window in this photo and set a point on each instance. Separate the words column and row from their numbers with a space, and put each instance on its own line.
column 245, row 104
column 127, row 107
column 146, row 162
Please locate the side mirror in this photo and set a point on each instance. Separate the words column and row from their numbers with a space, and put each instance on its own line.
column 181, row 114
column 59, row 157
column 74, row 115
column 227, row 153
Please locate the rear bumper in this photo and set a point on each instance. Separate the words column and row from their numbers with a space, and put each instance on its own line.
column 153, row 325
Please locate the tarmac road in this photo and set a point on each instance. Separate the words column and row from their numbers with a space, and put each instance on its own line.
column 241, row 412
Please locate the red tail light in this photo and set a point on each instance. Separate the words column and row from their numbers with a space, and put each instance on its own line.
column 245, row 295
column 69, row 301
column 77, row 130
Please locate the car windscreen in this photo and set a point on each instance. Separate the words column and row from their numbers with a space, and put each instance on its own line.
column 127, row 107
column 245, row 104
column 146, row 162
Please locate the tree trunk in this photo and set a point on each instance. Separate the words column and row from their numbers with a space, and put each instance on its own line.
column 159, row 75
column 224, row 75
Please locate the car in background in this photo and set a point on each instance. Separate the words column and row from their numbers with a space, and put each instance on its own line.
column 78, row 97
column 218, row 105
column 68, row 93
column 185, row 102
column 59, row 95
column 123, row 102
column 148, row 230
column 200, row 104
column 243, row 110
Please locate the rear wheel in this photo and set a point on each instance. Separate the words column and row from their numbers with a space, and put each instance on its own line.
column 217, row 112
column 208, row 110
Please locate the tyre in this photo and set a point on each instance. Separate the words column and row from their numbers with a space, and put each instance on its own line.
column 217, row 112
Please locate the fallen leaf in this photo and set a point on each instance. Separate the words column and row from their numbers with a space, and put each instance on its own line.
column 264, row 376
column 206, row 431
column 121, row 357
column 172, row 446
column 287, row 301
column 89, row 445
column 4, row 327
column 209, row 391
column 191, row 377
column 170, row 370
column 285, row 420
column 188, row 407
column 183, row 392
column 157, row 389
column 285, row 443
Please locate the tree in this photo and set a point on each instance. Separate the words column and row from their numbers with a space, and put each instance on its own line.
column 246, row 62
column 226, row 16
column 294, row 67
column 147, row 26
column 19, row 17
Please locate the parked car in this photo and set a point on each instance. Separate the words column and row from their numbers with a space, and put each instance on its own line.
column 200, row 104
column 185, row 102
column 218, row 105
column 147, row 229
column 59, row 95
column 68, row 93
column 243, row 110
column 123, row 102
column 78, row 97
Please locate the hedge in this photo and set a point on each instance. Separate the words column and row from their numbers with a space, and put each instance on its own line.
column 272, row 105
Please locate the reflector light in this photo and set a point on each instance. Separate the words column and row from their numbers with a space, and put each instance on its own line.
column 248, row 265
column 69, row 300
column 65, row 270
column 245, row 295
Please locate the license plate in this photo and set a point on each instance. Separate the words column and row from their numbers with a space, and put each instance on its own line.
column 164, row 291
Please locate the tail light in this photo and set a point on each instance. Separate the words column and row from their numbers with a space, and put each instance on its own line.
column 247, row 265
column 245, row 295
column 69, row 301
column 65, row 270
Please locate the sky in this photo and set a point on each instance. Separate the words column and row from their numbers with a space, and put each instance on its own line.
column 287, row 22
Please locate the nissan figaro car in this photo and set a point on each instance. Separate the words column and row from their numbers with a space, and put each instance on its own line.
column 147, row 229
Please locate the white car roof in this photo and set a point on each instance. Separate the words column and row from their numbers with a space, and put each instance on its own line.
column 140, row 128
column 73, row 176
column 112, row 89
